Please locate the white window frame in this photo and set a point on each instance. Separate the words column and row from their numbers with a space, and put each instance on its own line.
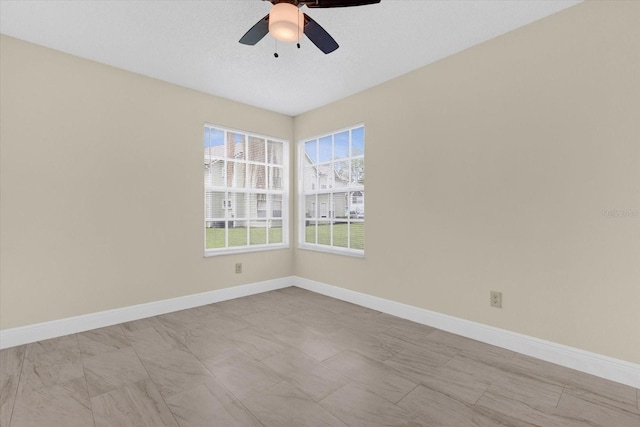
column 323, row 189
column 227, row 207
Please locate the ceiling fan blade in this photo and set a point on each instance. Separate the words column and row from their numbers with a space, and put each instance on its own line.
column 257, row 32
column 319, row 35
column 339, row 3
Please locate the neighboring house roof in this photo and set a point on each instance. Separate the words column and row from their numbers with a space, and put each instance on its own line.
column 325, row 169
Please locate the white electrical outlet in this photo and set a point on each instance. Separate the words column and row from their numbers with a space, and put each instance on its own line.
column 238, row 268
column 496, row 299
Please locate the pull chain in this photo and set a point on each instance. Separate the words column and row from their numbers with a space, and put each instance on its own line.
column 298, row 44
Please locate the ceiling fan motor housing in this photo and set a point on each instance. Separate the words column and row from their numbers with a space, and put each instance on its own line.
column 287, row 23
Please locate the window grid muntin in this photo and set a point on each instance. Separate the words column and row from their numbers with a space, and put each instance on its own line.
column 313, row 189
column 272, row 161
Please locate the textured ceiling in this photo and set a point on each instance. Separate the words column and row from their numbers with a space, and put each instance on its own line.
column 195, row 43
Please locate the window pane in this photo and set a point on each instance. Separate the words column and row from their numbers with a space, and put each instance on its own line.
column 275, row 178
column 258, row 232
column 310, row 232
column 310, row 178
column 214, row 205
column 310, row 206
column 340, row 205
column 275, row 231
column 324, row 173
column 341, row 234
column 342, row 170
column 215, row 236
column 256, row 176
column 235, row 146
column 256, row 149
column 236, row 174
column 275, row 152
column 341, row 145
column 239, row 206
column 324, row 233
column 357, row 142
column 237, row 233
column 214, row 173
column 276, row 205
column 326, row 151
column 214, row 138
column 357, row 171
column 324, row 206
column 356, row 205
column 311, row 152
column 356, row 234
column 213, row 151
column 207, row 173
column 258, row 205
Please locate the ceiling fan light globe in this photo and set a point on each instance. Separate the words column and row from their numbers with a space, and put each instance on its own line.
column 286, row 22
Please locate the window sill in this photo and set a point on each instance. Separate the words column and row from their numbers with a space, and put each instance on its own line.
column 244, row 249
column 355, row 253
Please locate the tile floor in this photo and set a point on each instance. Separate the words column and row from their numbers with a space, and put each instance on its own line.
column 293, row 358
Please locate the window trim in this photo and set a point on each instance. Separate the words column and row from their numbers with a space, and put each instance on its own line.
column 301, row 195
column 285, row 193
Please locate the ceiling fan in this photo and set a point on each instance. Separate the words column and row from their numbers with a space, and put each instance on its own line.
column 287, row 23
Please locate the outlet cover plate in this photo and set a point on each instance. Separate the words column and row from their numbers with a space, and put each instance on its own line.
column 496, row 299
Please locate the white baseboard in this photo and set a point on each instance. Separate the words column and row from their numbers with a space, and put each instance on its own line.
column 71, row 325
column 581, row 360
column 592, row 363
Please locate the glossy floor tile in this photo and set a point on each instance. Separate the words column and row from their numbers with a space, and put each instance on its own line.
column 357, row 406
column 294, row 358
column 242, row 374
column 103, row 340
column 65, row 404
column 256, row 343
column 112, row 370
column 375, row 376
column 306, row 374
column 285, row 406
column 437, row 410
column 175, row 371
column 135, row 404
column 210, row 404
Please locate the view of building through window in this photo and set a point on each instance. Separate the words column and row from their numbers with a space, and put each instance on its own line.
column 332, row 202
column 245, row 191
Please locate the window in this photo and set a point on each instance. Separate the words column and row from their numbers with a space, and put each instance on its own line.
column 331, row 183
column 245, row 191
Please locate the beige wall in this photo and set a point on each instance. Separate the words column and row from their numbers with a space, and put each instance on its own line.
column 490, row 170
column 101, row 188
